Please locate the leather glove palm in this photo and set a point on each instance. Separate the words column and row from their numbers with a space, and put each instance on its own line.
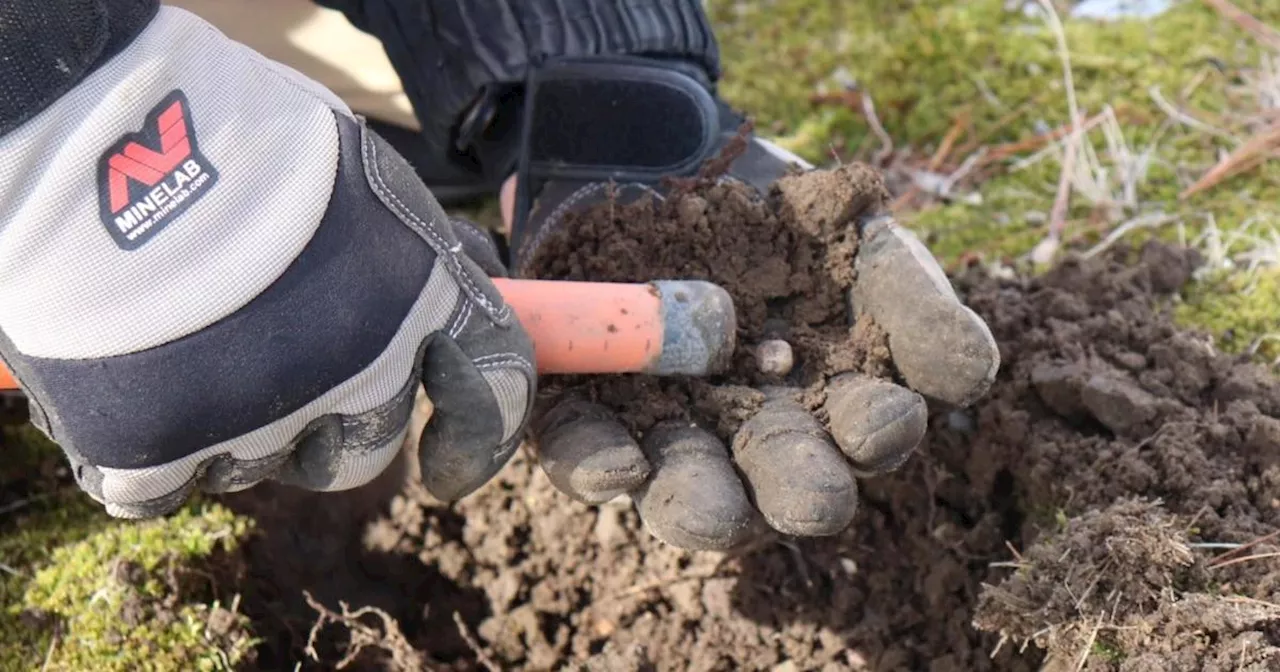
column 783, row 466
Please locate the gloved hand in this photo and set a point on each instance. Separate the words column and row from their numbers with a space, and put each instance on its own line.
column 784, row 466
column 212, row 273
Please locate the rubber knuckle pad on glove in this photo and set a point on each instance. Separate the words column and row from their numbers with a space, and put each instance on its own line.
column 941, row 348
column 799, row 480
column 587, row 454
column 694, row 499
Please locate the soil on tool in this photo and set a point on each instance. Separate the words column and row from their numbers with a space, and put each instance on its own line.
column 1078, row 514
column 787, row 260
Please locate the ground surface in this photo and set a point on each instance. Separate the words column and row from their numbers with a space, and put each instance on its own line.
column 1069, row 509
column 1081, row 512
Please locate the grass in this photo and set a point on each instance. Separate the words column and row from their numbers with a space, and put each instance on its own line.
column 996, row 78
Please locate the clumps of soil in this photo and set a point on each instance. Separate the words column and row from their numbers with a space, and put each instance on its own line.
column 1123, row 586
column 786, row 258
column 1103, row 400
column 1106, row 506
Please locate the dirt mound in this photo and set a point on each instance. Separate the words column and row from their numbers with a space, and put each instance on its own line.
column 1120, row 454
column 1102, row 399
column 787, row 260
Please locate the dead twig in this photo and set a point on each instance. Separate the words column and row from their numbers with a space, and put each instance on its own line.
column 1247, row 157
column 474, row 645
column 873, row 120
column 1005, row 151
column 1260, row 31
column 939, row 157
column 1243, row 547
column 1247, row 558
column 957, row 129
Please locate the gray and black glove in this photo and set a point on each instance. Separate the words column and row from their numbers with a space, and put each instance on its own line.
column 627, row 123
column 464, row 66
column 212, row 273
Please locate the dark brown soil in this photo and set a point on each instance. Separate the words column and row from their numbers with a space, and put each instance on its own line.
column 1080, row 508
column 1144, row 444
column 787, row 260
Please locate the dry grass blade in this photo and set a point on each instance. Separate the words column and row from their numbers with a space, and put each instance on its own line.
column 1243, row 547
column 1248, row 156
column 475, row 647
column 1247, row 558
column 873, row 120
column 1088, row 645
column 1260, row 31
column 1047, row 248
column 1186, row 118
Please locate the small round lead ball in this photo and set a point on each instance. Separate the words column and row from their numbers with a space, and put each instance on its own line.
column 775, row 357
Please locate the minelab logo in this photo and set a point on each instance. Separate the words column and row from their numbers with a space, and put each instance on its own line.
column 147, row 179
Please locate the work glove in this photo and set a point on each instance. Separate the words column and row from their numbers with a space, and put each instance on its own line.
column 784, row 468
column 463, row 66
column 212, row 273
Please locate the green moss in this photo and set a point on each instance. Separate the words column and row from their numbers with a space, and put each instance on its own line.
column 1240, row 308
column 925, row 62
column 116, row 599
column 95, row 593
column 1107, row 651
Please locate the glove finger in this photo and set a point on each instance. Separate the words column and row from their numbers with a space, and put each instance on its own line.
column 587, row 453
column 481, row 404
column 797, row 477
column 877, row 424
column 694, row 498
column 941, row 348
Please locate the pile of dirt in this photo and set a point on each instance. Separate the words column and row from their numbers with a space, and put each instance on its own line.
column 1103, row 402
column 1082, row 507
column 787, row 260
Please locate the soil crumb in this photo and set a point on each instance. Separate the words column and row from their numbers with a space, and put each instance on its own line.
column 786, row 258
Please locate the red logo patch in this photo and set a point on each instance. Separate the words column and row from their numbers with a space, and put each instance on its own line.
column 147, row 179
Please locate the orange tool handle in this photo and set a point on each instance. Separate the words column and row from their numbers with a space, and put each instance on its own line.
column 597, row 327
column 588, row 327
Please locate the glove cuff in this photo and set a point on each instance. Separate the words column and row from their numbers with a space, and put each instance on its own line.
column 464, row 65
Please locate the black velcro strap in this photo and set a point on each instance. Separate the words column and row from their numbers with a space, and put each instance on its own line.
column 622, row 119
column 626, row 119
column 49, row 46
